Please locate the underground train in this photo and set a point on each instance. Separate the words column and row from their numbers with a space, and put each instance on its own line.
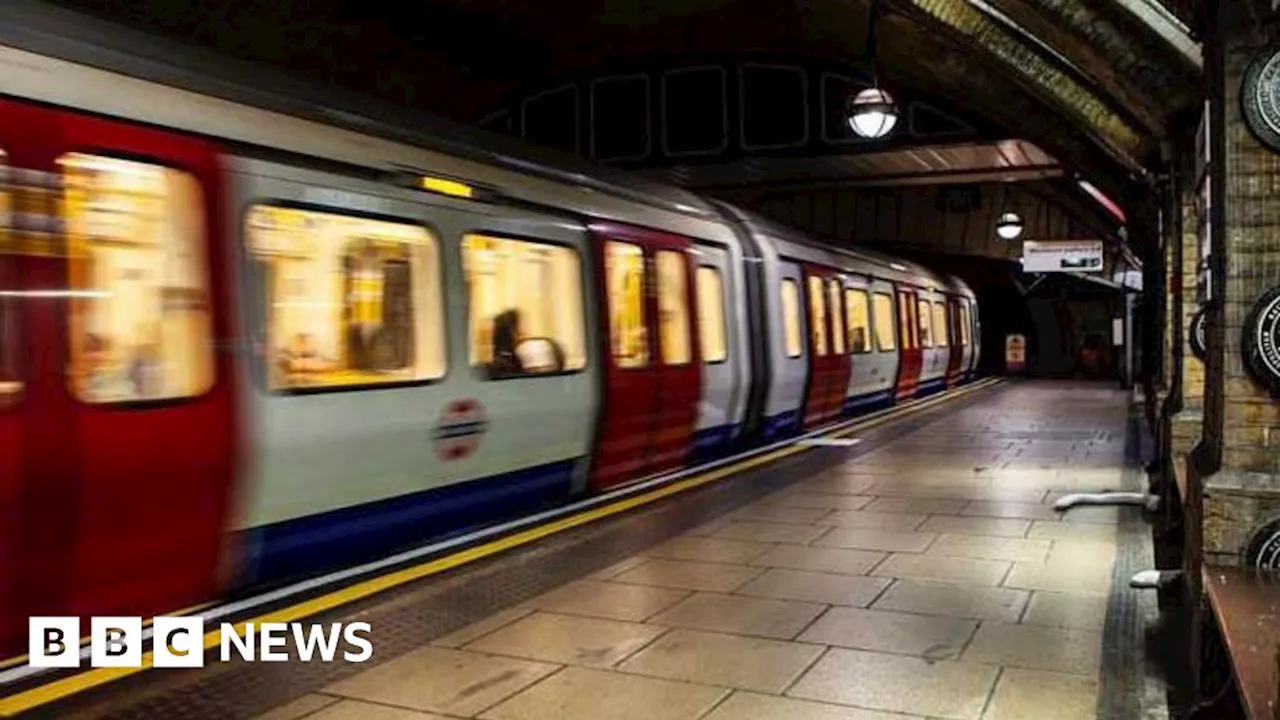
column 240, row 345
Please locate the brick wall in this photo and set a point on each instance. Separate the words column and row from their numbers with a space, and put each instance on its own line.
column 1192, row 367
column 1246, row 491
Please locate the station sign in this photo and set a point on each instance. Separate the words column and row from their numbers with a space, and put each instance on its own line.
column 1040, row 256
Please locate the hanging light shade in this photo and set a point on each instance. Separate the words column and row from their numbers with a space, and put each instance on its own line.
column 1010, row 226
column 872, row 113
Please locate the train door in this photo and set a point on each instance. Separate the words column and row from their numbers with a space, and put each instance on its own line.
column 839, row 390
column 680, row 385
column 828, row 374
column 722, row 386
column 934, row 343
column 974, row 323
column 128, row 409
column 653, row 380
column 965, row 328
column 790, row 369
column 871, row 345
column 887, row 353
column 956, row 359
column 14, row 374
column 909, row 352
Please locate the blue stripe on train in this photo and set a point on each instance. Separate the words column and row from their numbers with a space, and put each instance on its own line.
column 781, row 425
column 932, row 386
column 785, row 424
column 359, row 534
column 867, row 403
column 713, row 443
column 709, row 439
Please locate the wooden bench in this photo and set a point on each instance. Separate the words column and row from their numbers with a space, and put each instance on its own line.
column 1246, row 605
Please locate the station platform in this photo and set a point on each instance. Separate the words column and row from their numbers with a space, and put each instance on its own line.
column 920, row 572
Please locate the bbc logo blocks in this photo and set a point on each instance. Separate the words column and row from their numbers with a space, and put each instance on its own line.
column 115, row 642
column 54, row 642
column 179, row 642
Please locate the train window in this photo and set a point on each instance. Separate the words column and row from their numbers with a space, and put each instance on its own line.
column 884, row 322
column 817, row 316
column 628, row 327
column 523, row 291
column 791, row 318
column 855, row 307
column 348, row 301
column 965, row 328
column 941, row 334
column 673, row 308
column 140, row 325
column 926, row 338
column 907, row 329
column 711, row 326
column 839, row 331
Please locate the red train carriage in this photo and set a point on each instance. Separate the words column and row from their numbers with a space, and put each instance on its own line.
column 117, row 435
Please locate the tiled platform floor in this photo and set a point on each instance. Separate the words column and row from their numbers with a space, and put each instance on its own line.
column 930, row 578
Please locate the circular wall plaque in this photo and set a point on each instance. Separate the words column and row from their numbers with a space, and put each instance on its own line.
column 1260, row 341
column 1264, row 549
column 1260, row 95
column 1196, row 338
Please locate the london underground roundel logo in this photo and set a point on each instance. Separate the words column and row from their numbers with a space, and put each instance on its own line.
column 1196, row 338
column 461, row 426
column 1264, row 550
column 1260, row 341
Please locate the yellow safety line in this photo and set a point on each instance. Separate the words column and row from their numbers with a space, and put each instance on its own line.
column 65, row 687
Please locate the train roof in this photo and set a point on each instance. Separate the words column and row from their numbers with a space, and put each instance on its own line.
column 192, row 89
column 890, row 267
column 37, row 27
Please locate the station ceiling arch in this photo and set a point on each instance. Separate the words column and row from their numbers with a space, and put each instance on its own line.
column 1094, row 84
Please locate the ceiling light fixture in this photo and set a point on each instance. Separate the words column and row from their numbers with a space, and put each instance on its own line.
column 1010, row 226
column 872, row 113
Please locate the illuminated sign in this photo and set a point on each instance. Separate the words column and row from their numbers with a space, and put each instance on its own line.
column 1062, row 256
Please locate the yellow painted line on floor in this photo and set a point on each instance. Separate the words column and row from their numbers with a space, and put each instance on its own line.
column 66, row 687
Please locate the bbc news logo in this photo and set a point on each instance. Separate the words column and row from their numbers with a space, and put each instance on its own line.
column 178, row 642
